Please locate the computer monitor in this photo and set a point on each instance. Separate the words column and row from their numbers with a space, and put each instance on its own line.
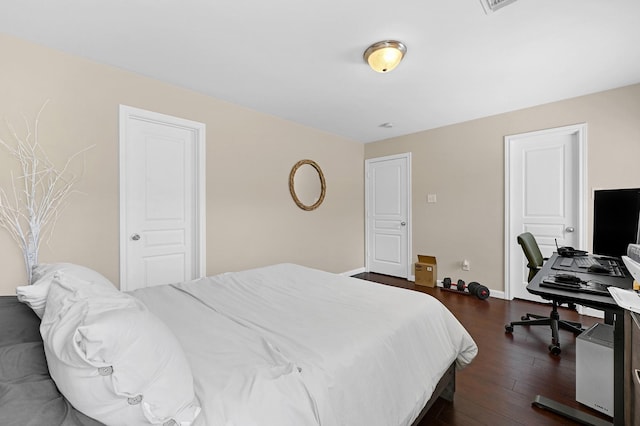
column 616, row 220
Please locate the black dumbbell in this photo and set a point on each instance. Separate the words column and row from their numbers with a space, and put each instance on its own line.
column 446, row 283
column 460, row 285
column 478, row 290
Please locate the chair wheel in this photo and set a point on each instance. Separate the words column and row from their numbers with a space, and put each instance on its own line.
column 554, row 349
column 525, row 318
column 508, row 328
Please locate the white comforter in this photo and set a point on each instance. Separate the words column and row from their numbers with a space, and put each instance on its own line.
column 288, row 345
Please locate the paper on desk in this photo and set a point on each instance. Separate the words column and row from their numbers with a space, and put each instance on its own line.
column 627, row 299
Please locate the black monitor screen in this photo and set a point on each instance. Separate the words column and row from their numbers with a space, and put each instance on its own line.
column 616, row 217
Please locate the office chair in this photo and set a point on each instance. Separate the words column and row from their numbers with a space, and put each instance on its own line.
column 532, row 252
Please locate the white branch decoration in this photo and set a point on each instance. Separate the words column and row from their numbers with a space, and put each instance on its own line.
column 31, row 207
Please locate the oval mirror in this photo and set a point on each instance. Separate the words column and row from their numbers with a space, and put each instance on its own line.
column 307, row 185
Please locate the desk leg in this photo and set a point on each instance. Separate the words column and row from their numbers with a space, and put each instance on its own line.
column 618, row 370
column 569, row 412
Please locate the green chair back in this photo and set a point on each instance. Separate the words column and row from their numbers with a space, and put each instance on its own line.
column 531, row 250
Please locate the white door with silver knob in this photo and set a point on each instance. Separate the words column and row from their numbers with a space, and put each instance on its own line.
column 545, row 187
column 162, row 196
column 388, row 215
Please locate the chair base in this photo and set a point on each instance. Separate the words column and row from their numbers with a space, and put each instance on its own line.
column 553, row 321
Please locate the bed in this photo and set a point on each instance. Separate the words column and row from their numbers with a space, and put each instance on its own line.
column 279, row 345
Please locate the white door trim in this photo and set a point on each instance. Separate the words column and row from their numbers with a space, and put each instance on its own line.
column 581, row 131
column 407, row 156
column 199, row 243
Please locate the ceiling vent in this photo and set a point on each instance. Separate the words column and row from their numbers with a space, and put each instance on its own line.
column 491, row 6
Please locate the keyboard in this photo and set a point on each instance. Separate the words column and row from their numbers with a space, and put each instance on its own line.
column 580, row 262
column 614, row 265
column 567, row 262
column 585, row 262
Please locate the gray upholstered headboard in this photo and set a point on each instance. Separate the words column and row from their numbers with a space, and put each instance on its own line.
column 28, row 395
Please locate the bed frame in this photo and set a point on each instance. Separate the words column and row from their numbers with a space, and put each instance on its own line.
column 19, row 325
column 445, row 389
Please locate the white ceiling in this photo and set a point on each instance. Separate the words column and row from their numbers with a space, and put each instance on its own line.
column 302, row 59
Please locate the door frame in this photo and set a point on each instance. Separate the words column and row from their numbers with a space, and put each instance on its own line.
column 581, row 156
column 128, row 113
column 409, row 227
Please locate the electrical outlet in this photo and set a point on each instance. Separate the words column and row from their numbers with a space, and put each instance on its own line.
column 431, row 198
column 465, row 265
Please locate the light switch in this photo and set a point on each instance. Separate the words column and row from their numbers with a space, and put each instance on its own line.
column 431, row 198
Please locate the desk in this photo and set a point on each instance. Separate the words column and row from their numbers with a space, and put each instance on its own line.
column 613, row 315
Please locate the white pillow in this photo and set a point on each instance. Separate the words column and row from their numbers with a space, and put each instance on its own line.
column 35, row 295
column 113, row 359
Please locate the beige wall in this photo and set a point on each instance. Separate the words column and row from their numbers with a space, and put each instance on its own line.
column 464, row 165
column 251, row 219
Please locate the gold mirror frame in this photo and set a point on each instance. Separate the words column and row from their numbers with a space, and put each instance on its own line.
column 292, row 190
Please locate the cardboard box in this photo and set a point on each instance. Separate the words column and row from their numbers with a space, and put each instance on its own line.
column 426, row 271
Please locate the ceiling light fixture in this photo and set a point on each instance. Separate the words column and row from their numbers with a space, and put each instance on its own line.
column 384, row 56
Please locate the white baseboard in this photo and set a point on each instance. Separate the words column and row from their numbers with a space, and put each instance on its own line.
column 353, row 272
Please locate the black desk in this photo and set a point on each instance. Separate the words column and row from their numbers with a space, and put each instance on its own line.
column 613, row 315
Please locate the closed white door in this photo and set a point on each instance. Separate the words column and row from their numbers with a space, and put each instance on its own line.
column 545, row 189
column 162, row 229
column 388, row 224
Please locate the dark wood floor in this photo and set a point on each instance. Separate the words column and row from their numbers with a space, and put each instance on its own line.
column 511, row 369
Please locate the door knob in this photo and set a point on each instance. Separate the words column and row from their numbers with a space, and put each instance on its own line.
column 569, row 229
column 135, row 237
column 403, row 223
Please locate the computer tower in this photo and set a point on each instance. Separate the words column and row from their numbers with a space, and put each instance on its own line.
column 594, row 368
